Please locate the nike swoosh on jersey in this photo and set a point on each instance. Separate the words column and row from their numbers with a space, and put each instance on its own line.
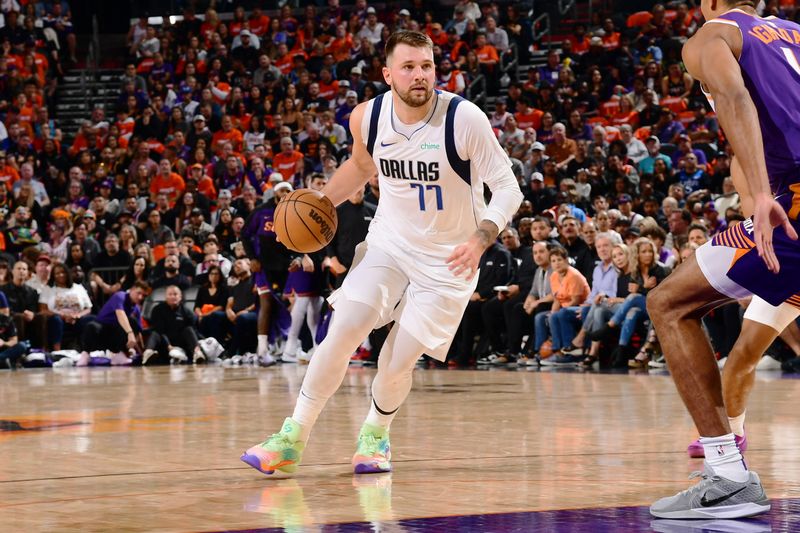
column 385, row 145
column 714, row 501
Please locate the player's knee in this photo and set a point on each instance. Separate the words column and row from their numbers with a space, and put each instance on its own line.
column 658, row 304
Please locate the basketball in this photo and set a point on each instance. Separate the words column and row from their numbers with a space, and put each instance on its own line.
column 305, row 221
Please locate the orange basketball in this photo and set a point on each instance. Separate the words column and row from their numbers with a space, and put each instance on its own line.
column 305, row 221
column 546, row 349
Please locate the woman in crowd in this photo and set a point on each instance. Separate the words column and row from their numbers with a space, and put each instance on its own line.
column 65, row 304
column 646, row 274
column 605, row 306
column 138, row 271
column 209, row 307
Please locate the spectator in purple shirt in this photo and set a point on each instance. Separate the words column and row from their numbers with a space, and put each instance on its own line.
column 684, row 149
column 667, row 129
column 118, row 327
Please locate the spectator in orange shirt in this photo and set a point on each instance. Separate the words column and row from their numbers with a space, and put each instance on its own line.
column 341, row 46
column 258, row 23
column 283, row 60
column 610, row 37
column 288, row 162
column 570, row 289
column 166, row 182
column 487, row 54
column 579, row 39
column 436, row 34
column 8, row 174
column 626, row 114
column 563, row 149
column 204, row 183
column 227, row 134
column 527, row 117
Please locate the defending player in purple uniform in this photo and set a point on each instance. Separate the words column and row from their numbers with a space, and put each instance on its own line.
column 749, row 65
column 269, row 260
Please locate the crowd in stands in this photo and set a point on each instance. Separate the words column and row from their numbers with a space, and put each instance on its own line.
column 135, row 241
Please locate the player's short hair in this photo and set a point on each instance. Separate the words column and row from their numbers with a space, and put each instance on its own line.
column 411, row 38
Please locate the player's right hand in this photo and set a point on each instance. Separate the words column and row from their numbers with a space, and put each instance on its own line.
column 255, row 265
column 767, row 215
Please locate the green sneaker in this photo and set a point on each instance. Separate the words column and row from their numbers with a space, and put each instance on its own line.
column 373, row 454
column 281, row 451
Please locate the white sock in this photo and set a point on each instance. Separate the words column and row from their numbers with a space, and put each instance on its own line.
column 263, row 345
column 392, row 383
column 378, row 418
column 352, row 322
column 723, row 457
column 737, row 424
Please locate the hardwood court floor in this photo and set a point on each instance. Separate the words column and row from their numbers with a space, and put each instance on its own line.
column 157, row 449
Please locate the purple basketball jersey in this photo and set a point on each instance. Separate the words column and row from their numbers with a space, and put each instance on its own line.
column 770, row 63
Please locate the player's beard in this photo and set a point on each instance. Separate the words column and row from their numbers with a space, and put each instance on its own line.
column 414, row 98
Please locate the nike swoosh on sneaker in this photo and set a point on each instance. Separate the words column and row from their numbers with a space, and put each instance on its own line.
column 714, row 501
column 384, row 145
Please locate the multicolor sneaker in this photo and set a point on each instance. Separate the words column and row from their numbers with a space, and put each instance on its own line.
column 373, row 454
column 696, row 450
column 281, row 451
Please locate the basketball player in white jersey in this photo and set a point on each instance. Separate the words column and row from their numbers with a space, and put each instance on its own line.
column 433, row 152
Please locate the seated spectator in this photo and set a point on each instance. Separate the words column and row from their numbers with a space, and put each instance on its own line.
column 172, row 332
column 117, row 327
column 41, row 274
column 692, row 177
column 495, row 269
column 646, row 274
column 171, row 275
column 604, row 285
column 563, row 149
column 604, row 305
column 139, row 270
column 570, row 290
column 504, row 311
column 538, row 302
column 65, row 305
column 210, row 305
column 23, row 304
column 11, row 349
column 578, row 251
column 241, row 308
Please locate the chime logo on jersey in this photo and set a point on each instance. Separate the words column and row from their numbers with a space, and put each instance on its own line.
column 410, row 170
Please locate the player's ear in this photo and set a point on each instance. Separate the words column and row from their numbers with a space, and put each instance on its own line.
column 387, row 75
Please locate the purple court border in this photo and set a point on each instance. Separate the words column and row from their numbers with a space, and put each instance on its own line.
column 784, row 516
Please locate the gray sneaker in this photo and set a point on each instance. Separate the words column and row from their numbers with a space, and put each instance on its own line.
column 715, row 497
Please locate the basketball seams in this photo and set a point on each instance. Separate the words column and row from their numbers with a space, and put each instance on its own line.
column 277, row 215
column 322, row 207
column 300, row 218
column 332, row 220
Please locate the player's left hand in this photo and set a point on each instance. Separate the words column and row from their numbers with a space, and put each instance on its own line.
column 465, row 258
column 767, row 215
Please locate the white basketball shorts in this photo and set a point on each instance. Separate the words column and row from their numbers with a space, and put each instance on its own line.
column 415, row 290
column 778, row 318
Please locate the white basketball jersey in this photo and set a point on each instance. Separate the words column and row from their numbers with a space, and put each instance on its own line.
column 431, row 181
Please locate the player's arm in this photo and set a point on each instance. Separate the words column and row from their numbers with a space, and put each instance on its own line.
column 356, row 171
column 709, row 57
column 491, row 162
column 740, row 183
